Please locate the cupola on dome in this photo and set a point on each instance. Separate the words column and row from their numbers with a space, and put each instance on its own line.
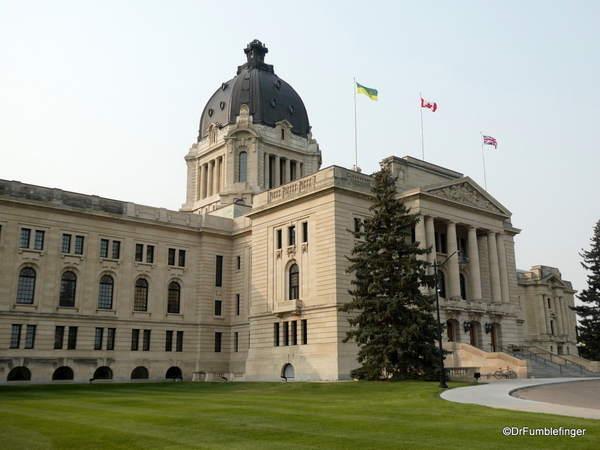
column 269, row 98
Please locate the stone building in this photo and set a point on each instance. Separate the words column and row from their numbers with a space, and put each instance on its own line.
column 245, row 281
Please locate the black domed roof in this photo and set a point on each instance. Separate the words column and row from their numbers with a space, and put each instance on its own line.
column 269, row 98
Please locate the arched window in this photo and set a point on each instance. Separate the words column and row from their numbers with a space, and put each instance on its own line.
column 294, row 282
column 441, row 287
column 463, row 287
column 105, row 296
column 68, row 284
column 26, row 287
column 140, row 301
column 174, row 298
column 243, row 160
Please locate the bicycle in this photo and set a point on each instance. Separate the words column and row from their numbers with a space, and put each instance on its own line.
column 505, row 374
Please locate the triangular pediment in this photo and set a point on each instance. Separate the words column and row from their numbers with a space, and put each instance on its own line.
column 465, row 191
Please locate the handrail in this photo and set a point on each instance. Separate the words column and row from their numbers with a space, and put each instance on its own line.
column 554, row 355
column 523, row 350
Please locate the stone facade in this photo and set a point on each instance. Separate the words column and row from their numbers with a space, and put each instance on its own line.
column 546, row 300
column 245, row 281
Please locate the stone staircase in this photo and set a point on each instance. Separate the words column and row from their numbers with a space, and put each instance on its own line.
column 549, row 365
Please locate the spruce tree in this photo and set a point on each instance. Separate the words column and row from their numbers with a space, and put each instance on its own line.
column 589, row 312
column 393, row 320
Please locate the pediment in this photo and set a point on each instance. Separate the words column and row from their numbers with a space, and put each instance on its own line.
column 467, row 192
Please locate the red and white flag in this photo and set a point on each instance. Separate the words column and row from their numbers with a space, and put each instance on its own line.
column 431, row 105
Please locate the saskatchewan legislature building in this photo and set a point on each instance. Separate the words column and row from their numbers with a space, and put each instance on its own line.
column 245, row 281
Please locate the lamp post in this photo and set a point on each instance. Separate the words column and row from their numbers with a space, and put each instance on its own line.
column 436, row 266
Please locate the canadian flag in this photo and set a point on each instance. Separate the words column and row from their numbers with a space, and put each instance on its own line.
column 430, row 105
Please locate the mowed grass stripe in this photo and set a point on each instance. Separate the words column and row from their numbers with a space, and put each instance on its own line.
column 263, row 416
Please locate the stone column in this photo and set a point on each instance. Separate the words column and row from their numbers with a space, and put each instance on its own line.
column 430, row 239
column 559, row 316
column 217, row 175
column 198, row 182
column 277, row 174
column 420, row 236
column 542, row 315
column 494, row 269
column 452, row 264
column 209, row 179
column 266, row 173
column 474, row 268
column 204, row 170
column 503, row 266
column 286, row 175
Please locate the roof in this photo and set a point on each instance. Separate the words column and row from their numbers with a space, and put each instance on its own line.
column 269, row 98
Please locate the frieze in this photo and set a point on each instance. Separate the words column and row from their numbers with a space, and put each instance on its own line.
column 465, row 193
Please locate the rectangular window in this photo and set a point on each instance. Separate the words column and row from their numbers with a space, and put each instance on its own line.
column 59, row 336
column 279, row 239
column 304, row 231
column 98, row 338
column 30, row 336
column 218, row 339
column 103, row 248
column 276, row 334
column 171, row 260
column 286, row 334
column 79, row 245
column 218, row 308
column 110, row 338
column 150, row 254
column 239, row 262
column 66, row 244
column 146, row 341
column 25, row 236
column 236, row 338
column 139, row 252
column 135, row 340
column 116, row 250
column 294, row 332
column 72, row 339
column 219, row 271
column 238, row 305
column 38, row 244
column 292, row 235
column 15, row 336
column 357, row 225
column 179, row 343
column 181, row 262
column 304, row 332
column 169, row 341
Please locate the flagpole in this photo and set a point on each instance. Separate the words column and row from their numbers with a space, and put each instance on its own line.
column 483, row 159
column 422, row 142
column 355, row 140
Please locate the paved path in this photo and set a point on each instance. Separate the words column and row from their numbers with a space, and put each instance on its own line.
column 576, row 397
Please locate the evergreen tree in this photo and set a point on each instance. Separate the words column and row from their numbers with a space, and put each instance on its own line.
column 589, row 313
column 394, row 325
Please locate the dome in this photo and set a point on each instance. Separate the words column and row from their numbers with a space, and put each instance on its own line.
column 269, row 98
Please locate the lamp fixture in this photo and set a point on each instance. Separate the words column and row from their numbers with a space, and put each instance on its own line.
column 467, row 326
column 488, row 328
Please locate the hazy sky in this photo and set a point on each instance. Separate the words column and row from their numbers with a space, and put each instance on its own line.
column 104, row 97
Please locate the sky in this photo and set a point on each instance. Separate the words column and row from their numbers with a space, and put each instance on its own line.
column 105, row 97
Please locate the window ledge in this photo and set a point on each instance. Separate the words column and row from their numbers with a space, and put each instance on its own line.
column 293, row 307
column 24, row 306
column 106, row 312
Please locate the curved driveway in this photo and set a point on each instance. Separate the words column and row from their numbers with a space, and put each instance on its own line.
column 498, row 395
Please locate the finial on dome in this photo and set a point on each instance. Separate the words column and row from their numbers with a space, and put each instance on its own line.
column 255, row 52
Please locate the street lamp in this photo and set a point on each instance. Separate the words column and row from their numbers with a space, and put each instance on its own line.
column 436, row 266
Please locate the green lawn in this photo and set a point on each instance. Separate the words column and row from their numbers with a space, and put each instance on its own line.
column 353, row 415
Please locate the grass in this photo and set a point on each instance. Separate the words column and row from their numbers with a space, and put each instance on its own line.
column 265, row 416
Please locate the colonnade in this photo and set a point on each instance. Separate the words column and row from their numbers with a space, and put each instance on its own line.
column 279, row 170
column 561, row 311
column 497, row 266
column 210, row 178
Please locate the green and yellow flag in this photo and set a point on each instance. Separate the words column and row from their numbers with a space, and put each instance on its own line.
column 371, row 93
